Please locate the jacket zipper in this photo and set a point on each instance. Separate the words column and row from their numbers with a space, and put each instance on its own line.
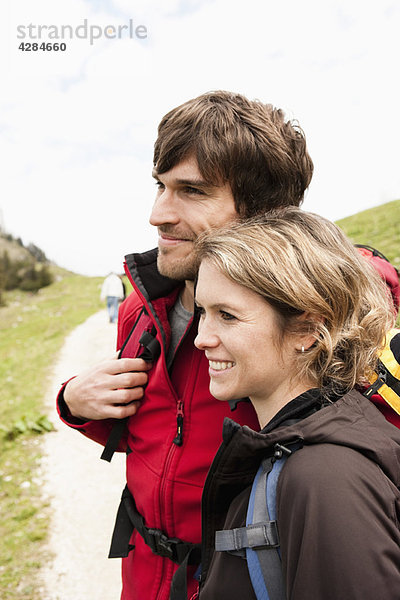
column 178, row 440
column 179, row 424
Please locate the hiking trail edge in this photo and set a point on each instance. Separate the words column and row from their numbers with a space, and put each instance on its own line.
column 83, row 491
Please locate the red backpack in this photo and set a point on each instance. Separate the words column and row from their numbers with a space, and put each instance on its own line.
column 386, row 270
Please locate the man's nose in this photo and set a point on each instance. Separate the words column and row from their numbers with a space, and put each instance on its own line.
column 164, row 209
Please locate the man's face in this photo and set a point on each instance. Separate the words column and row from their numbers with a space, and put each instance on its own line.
column 186, row 205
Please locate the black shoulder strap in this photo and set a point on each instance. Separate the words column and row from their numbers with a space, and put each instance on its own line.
column 128, row 518
column 151, row 351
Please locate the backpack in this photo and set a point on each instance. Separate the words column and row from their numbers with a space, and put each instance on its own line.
column 384, row 390
column 385, row 381
column 386, row 270
column 258, row 542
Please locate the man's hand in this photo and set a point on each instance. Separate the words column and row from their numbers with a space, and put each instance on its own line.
column 110, row 390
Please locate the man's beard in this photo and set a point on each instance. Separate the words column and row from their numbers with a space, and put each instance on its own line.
column 176, row 267
column 181, row 269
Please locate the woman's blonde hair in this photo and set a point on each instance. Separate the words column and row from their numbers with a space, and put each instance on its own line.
column 308, row 270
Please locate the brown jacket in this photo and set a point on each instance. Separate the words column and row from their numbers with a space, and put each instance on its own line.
column 338, row 503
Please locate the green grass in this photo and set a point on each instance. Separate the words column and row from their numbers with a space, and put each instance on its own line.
column 32, row 331
column 378, row 227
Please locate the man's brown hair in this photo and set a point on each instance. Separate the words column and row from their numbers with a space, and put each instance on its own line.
column 238, row 141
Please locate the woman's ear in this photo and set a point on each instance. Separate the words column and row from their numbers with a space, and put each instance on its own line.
column 310, row 326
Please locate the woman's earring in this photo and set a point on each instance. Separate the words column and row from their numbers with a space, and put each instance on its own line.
column 302, row 349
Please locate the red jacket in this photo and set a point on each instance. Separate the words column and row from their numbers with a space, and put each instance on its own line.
column 165, row 479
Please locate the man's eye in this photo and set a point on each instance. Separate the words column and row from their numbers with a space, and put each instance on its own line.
column 159, row 185
column 192, row 190
column 226, row 316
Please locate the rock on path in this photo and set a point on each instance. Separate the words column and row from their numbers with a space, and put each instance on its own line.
column 83, row 490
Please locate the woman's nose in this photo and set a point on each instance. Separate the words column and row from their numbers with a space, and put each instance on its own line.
column 206, row 337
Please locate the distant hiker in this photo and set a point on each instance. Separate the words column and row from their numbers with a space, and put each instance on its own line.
column 113, row 292
column 292, row 317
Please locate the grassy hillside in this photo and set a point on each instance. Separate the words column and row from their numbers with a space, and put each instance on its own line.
column 32, row 330
column 378, row 227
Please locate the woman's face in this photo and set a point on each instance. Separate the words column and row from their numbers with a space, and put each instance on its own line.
column 239, row 333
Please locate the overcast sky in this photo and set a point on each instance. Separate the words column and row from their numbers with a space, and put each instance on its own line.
column 78, row 126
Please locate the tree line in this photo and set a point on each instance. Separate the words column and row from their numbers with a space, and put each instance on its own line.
column 28, row 274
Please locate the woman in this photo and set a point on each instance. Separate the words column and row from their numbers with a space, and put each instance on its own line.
column 292, row 317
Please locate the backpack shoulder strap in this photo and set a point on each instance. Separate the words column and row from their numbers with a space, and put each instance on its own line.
column 265, row 563
column 259, row 542
column 146, row 347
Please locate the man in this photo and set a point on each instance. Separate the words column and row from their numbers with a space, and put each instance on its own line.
column 217, row 158
column 113, row 292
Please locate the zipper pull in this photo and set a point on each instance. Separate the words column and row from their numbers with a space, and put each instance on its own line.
column 179, row 424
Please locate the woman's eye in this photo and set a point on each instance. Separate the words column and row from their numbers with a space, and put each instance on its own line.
column 200, row 310
column 226, row 316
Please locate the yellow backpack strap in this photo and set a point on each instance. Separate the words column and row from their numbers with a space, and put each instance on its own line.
column 386, row 381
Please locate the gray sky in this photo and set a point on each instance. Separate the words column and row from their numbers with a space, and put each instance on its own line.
column 78, row 126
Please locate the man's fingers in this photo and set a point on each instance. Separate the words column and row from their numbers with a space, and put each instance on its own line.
column 128, row 380
column 101, row 391
column 123, row 411
column 125, row 365
column 124, row 396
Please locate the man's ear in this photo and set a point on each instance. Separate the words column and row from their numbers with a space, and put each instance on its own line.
column 311, row 322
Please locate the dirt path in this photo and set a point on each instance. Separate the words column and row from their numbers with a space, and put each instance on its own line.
column 83, row 490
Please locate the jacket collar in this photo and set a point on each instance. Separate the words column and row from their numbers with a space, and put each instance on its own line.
column 145, row 274
column 351, row 421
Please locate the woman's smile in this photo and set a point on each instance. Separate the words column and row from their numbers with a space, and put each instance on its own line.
column 218, row 365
